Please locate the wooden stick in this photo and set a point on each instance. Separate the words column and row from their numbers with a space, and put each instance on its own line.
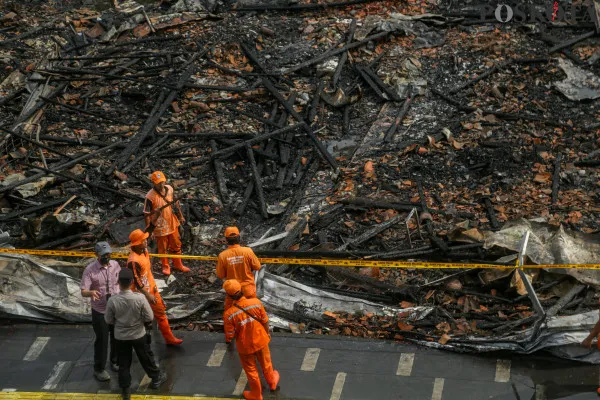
column 59, row 209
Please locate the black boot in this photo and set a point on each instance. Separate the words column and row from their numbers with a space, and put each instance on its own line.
column 126, row 394
column 155, row 384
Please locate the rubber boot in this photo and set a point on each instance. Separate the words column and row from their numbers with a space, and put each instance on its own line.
column 274, row 381
column 248, row 395
column 165, row 329
column 166, row 269
column 178, row 265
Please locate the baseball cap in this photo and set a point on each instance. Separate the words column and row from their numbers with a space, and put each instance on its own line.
column 232, row 231
column 158, row 177
column 232, row 286
column 137, row 237
column 103, row 248
column 125, row 274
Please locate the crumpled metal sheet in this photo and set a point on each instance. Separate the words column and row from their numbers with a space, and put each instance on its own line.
column 30, row 290
column 562, row 336
column 579, row 83
column 551, row 245
column 286, row 294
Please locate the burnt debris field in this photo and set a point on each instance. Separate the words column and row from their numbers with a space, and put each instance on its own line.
column 386, row 130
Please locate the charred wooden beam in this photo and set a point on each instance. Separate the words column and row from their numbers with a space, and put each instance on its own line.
column 284, row 151
column 346, row 120
column 556, row 179
column 362, row 202
column 571, row 42
column 79, row 142
column 257, row 183
column 209, row 135
column 344, row 57
column 370, row 233
column 254, row 116
column 335, row 52
column 391, row 94
column 234, row 89
column 587, row 163
column 489, row 207
column 370, row 82
column 314, row 106
column 436, row 241
column 389, row 135
column 480, row 77
column 219, row 175
column 31, row 210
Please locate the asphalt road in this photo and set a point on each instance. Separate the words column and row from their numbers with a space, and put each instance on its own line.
column 55, row 358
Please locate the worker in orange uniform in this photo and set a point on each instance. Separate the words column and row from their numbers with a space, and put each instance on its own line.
column 143, row 282
column 594, row 333
column 246, row 321
column 237, row 262
column 166, row 230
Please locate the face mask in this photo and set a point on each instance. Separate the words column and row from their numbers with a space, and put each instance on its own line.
column 104, row 259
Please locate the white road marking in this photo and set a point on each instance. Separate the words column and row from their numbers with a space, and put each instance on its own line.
column 143, row 386
column 58, row 371
column 405, row 364
column 338, row 386
column 241, row 384
column 310, row 359
column 216, row 358
column 502, row 371
column 438, row 389
column 36, row 348
column 540, row 392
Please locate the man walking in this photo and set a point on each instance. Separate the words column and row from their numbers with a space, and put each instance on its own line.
column 159, row 211
column 237, row 262
column 143, row 282
column 246, row 321
column 129, row 312
column 100, row 282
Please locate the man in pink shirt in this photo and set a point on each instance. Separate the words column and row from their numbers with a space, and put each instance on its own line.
column 100, row 280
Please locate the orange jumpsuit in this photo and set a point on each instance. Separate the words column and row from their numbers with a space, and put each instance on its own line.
column 143, row 279
column 238, row 262
column 166, row 229
column 252, row 342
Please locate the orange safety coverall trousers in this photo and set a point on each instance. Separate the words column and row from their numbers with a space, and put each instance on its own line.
column 143, row 278
column 166, row 231
column 238, row 262
column 248, row 325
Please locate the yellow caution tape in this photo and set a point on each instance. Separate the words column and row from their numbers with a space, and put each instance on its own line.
column 325, row 262
column 90, row 396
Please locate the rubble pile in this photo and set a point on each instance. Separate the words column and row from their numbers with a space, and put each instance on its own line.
column 407, row 130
